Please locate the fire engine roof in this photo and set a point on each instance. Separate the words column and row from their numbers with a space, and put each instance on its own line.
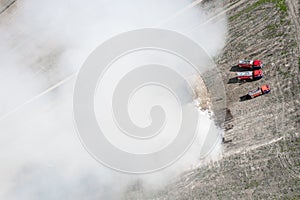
column 256, row 62
column 265, row 87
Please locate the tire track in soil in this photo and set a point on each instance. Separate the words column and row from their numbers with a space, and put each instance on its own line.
column 294, row 9
column 286, row 161
column 257, row 162
column 5, row 4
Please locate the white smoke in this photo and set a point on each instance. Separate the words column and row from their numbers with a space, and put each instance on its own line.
column 42, row 44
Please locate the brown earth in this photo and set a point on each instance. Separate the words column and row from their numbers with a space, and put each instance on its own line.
column 262, row 139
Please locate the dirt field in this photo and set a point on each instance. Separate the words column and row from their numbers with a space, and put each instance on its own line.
column 262, row 139
column 262, row 136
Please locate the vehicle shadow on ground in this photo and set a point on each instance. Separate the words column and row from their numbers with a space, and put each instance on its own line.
column 245, row 98
column 236, row 80
column 237, row 69
column 233, row 80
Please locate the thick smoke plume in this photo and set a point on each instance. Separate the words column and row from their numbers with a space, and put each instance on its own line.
column 43, row 45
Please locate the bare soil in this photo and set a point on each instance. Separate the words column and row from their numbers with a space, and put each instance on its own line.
column 262, row 139
column 262, row 136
